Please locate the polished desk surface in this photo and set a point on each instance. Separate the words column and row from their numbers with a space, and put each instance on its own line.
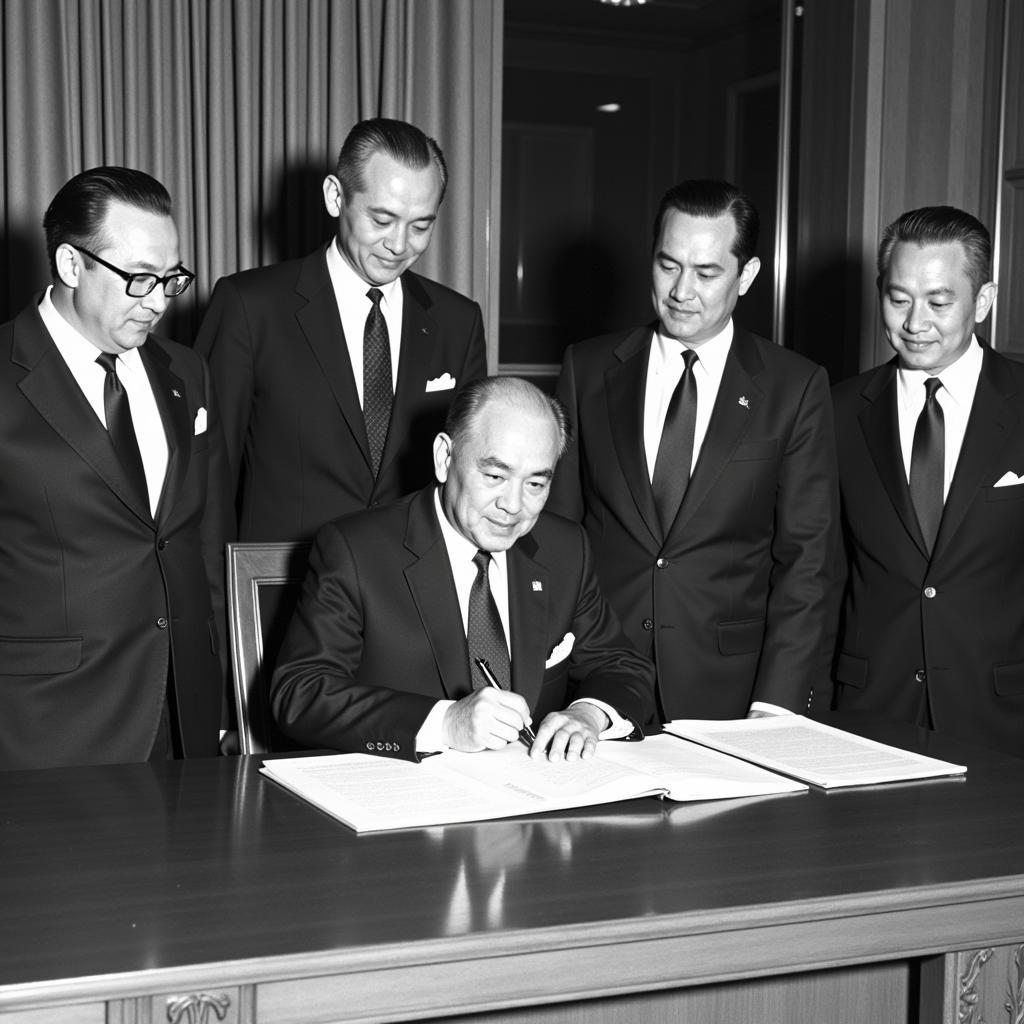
column 142, row 869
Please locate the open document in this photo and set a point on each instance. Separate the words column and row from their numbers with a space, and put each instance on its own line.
column 815, row 753
column 371, row 794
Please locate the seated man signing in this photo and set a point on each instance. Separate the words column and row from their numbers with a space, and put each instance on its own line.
column 402, row 602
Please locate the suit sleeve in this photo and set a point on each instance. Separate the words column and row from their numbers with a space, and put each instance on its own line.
column 218, row 520
column 475, row 364
column 566, row 496
column 800, row 620
column 225, row 340
column 603, row 665
column 316, row 694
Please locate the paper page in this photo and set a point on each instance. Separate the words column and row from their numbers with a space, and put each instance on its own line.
column 693, row 772
column 811, row 751
column 375, row 793
column 547, row 784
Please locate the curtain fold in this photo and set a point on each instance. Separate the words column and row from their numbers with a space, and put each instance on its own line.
column 239, row 108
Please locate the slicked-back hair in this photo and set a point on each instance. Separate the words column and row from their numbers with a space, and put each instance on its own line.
column 471, row 401
column 706, row 197
column 401, row 141
column 78, row 210
column 940, row 225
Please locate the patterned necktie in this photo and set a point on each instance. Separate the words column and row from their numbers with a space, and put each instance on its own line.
column 377, row 390
column 675, row 452
column 118, row 413
column 928, row 463
column 484, row 636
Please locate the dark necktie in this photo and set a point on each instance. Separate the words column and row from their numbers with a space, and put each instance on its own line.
column 118, row 413
column 927, row 463
column 377, row 389
column 484, row 636
column 675, row 452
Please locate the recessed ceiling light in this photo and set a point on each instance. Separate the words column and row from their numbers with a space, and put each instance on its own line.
column 625, row 3
column 609, row 108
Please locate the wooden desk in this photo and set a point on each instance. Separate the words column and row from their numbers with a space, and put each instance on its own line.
column 125, row 888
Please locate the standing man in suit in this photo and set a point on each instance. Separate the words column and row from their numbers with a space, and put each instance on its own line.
column 401, row 600
column 333, row 370
column 931, row 464
column 704, row 473
column 112, row 504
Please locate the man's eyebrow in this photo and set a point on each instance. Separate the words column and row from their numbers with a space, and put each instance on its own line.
column 492, row 462
column 383, row 211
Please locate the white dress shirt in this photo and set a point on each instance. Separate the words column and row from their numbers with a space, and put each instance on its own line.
column 460, row 555
column 956, row 397
column 353, row 305
column 80, row 355
column 664, row 369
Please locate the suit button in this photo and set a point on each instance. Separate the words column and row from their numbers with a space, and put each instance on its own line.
column 662, row 563
column 920, row 676
column 161, row 544
column 930, row 592
column 648, row 624
column 161, row 623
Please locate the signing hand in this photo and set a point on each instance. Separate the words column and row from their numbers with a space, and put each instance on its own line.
column 485, row 720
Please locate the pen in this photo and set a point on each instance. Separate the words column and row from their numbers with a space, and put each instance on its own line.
column 526, row 734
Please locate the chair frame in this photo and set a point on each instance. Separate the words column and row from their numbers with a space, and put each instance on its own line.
column 251, row 566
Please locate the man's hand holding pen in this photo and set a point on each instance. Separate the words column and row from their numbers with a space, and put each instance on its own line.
column 487, row 719
column 491, row 718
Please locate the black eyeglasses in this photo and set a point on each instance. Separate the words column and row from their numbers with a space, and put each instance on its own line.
column 140, row 285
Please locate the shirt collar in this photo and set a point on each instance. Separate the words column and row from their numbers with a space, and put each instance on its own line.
column 959, row 379
column 711, row 353
column 78, row 351
column 348, row 285
column 461, row 550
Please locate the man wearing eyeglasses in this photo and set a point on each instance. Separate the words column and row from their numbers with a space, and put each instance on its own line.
column 113, row 506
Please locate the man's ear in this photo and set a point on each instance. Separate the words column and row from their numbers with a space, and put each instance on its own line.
column 983, row 301
column 69, row 264
column 334, row 198
column 748, row 273
column 442, row 456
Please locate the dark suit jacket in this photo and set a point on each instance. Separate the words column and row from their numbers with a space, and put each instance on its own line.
column 377, row 638
column 732, row 603
column 294, row 427
column 957, row 617
column 95, row 596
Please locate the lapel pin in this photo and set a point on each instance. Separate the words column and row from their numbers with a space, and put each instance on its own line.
column 537, row 586
column 176, row 392
column 744, row 401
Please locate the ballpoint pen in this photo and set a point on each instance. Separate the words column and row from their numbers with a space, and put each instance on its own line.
column 526, row 735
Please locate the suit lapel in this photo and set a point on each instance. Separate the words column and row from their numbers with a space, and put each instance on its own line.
column 729, row 421
column 56, row 396
column 625, row 389
column 879, row 423
column 433, row 592
column 320, row 323
column 417, row 345
column 528, row 618
column 992, row 419
column 169, row 392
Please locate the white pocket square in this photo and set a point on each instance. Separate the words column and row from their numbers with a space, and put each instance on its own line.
column 1009, row 479
column 561, row 651
column 200, row 427
column 443, row 383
